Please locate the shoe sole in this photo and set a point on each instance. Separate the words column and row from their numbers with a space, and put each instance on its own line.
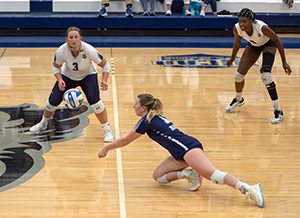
column 200, row 184
column 262, row 196
column 239, row 105
column 277, row 122
column 38, row 131
column 34, row 132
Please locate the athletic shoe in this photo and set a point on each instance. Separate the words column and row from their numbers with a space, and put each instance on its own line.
column 38, row 127
column 108, row 135
column 187, row 13
column 145, row 13
column 168, row 13
column 128, row 12
column 195, row 180
column 278, row 117
column 152, row 13
column 102, row 12
column 234, row 104
column 202, row 13
column 255, row 193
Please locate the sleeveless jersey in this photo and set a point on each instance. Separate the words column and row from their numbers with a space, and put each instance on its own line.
column 77, row 68
column 257, row 38
column 163, row 131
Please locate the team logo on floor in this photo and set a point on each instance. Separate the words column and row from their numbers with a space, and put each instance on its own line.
column 21, row 152
column 196, row 61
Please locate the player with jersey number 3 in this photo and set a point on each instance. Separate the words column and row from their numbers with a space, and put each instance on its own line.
column 261, row 39
column 77, row 58
column 186, row 151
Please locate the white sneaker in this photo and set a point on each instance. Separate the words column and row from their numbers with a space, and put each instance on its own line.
column 38, row 127
column 168, row 13
column 202, row 13
column 195, row 180
column 234, row 103
column 187, row 13
column 255, row 193
column 278, row 117
column 108, row 135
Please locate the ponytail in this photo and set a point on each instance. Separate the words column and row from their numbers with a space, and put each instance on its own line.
column 154, row 105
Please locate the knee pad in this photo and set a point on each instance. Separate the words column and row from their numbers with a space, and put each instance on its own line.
column 186, row 2
column 162, row 180
column 98, row 107
column 169, row 2
column 266, row 78
column 238, row 77
column 218, row 177
column 50, row 107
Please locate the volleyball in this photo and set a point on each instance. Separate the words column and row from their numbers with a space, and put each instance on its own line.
column 73, row 98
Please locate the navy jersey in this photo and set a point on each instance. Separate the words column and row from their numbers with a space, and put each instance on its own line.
column 163, row 131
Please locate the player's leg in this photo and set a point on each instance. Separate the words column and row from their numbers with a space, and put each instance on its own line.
column 268, row 60
column 54, row 100
column 249, row 57
column 199, row 162
column 171, row 169
column 90, row 87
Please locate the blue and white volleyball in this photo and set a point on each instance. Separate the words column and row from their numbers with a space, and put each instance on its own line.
column 73, row 98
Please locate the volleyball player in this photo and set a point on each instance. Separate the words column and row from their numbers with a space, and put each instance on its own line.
column 261, row 39
column 74, row 66
column 186, row 151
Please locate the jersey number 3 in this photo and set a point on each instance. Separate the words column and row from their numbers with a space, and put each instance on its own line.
column 75, row 66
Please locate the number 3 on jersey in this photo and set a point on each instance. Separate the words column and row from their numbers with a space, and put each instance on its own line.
column 75, row 66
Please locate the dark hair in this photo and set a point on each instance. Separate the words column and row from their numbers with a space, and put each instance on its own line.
column 247, row 13
column 154, row 105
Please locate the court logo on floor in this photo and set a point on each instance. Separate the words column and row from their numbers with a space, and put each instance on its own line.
column 196, row 61
column 21, row 152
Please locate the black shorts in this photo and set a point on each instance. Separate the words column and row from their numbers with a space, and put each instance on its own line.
column 269, row 43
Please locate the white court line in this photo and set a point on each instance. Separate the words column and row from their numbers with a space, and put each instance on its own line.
column 207, row 75
column 118, row 150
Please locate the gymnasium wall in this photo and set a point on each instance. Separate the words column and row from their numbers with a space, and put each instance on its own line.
column 93, row 6
column 42, row 23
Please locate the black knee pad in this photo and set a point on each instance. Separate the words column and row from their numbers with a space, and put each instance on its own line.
column 271, row 86
column 268, row 60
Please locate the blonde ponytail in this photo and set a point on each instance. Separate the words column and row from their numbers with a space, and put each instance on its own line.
column 154, row 105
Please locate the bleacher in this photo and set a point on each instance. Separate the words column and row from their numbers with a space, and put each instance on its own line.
column 48, row 20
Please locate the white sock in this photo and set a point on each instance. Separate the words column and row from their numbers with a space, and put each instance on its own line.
column 184, row 173
column 105, row 126
column 276, row 105
column 238, row 96
column 239, row 185
column 44, row 120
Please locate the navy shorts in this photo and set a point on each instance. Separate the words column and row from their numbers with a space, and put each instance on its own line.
column 89, row 86
column 269, row 43
column 179, row 154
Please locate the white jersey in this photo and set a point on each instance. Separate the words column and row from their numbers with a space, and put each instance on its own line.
column 76, row 68
column 257, row 38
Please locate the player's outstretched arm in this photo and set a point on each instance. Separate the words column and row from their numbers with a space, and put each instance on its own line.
column 124, row 140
